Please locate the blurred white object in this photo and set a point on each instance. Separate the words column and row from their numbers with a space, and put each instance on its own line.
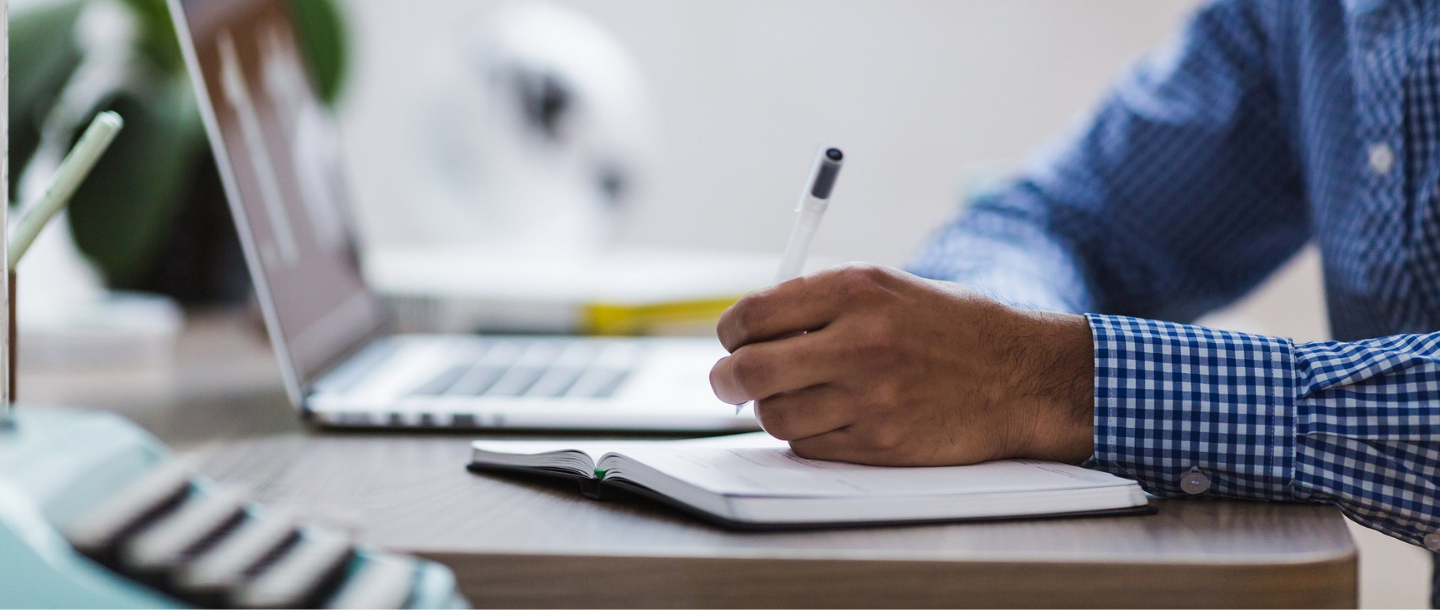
column 531, row 134
column 121, row 330
column 66, row 319
column 56, row 271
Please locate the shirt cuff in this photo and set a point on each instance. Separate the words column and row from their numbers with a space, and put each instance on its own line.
column 1170, row 398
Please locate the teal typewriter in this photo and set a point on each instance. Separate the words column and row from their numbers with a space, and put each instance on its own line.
column 94, row 512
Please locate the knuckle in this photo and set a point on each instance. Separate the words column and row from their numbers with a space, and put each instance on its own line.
column 743, row 315
column 735, row 324
column 808, row 450
column 717, row 379
column 751, row 371
column 876, row 274
column 886, row 439
column 772, row 419
column 861, row 282
column 877, row 342
column 855, row 278
column 868, row 274
column 838, row 282
column 886, row 395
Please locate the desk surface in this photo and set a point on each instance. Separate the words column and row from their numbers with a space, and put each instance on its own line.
column 517, row 541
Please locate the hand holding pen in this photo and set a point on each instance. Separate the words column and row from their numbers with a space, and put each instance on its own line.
column 814, row 200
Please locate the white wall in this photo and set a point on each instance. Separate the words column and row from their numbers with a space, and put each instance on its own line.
column 918, row 93
column 923, row 95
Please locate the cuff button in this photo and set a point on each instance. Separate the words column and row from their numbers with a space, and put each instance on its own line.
column 1432, row 541
column 1196, row 483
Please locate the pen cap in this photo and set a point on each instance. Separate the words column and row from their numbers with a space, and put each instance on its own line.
column 826, row 173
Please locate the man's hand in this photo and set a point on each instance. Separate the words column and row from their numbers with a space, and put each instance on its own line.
column 871, row 365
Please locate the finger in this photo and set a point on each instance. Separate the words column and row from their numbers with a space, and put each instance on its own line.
column 836, row 445
column 799, row 305
column 760, row 370
column 807, row 412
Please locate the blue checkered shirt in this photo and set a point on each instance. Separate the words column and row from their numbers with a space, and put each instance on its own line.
column 1264, row 126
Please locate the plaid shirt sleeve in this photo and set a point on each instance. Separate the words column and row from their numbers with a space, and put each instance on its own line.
column 1356, row 424
column 1180, row 195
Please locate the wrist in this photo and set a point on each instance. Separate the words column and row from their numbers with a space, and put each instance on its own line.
column 1055, row 383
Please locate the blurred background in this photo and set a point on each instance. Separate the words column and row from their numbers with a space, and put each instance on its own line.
column 580, row 125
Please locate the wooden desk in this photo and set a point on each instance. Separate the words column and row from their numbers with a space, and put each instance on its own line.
column 522, row 542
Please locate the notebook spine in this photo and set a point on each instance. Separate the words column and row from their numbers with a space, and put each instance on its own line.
column 597, row 490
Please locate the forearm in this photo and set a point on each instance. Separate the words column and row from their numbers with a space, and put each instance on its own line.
column 1354, row 424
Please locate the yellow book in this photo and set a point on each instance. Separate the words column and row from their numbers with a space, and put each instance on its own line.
column 619, row 291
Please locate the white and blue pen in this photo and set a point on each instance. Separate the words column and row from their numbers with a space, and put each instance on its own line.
column 814, row 200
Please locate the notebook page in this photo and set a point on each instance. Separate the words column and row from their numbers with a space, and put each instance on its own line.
column 749, row 465
column 594, row 450
column 598, row 448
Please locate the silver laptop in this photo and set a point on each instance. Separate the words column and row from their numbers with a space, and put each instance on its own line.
column 277, row 154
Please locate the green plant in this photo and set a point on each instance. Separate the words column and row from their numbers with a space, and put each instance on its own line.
column 124, row 216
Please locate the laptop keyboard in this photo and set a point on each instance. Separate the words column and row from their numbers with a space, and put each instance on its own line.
column 512, row 368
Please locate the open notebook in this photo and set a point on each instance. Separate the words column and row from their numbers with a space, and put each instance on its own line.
column 754, row 480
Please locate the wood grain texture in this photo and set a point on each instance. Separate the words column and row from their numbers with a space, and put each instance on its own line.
column 521, row 541
column 517, row 541
column 561, row 581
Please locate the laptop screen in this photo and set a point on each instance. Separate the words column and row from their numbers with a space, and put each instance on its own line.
column 278, row 154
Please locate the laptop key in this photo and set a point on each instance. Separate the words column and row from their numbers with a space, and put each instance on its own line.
column 515, row 381
column 575, row 358
column 555, row 382
column 598, row 383
column 477, row 380
column 609, row 388
column 441, row 383
column 538, row 357
column 578, row 354
column 620, row 355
